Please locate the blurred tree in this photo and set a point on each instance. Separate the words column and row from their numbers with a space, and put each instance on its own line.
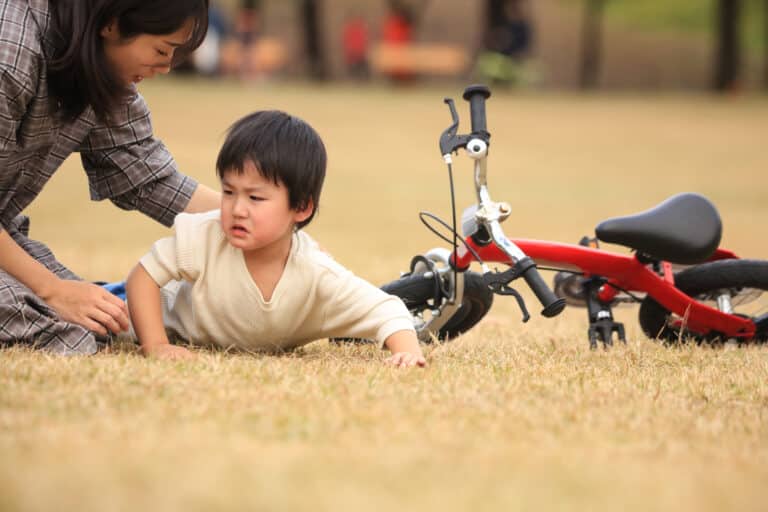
column 591, row 43
column 765, row 44
column 507, row 27
column 507, row 43
column 313, row 40
column 728, row 50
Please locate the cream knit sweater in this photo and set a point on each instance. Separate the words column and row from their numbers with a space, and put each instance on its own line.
column 209, row 297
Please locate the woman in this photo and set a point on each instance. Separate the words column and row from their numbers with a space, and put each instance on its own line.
column 69, row 73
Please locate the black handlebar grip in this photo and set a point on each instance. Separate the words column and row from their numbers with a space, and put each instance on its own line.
column 476, row 96
column 553, row 305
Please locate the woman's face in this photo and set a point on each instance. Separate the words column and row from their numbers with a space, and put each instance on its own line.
column 142, row 56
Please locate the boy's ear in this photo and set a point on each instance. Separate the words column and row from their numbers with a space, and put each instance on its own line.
column 303, row 214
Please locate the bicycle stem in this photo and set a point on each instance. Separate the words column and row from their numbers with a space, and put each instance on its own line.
column 490, row 214
column 481, row 182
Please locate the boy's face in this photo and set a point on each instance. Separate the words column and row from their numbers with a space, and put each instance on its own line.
column 255, row 213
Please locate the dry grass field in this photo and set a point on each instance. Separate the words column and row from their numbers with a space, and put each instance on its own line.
column 510, row 416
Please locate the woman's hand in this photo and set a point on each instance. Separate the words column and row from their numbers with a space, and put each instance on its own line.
column 89, row 305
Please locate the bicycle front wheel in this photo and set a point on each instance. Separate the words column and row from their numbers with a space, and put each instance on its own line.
column 740, row 284
column 416, row 291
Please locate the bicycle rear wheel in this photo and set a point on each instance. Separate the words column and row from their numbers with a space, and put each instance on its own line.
column 742, row 283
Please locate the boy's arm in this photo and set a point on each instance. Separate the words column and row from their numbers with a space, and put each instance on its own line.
column 405, row 349
column 358, row 309
column 147, row 316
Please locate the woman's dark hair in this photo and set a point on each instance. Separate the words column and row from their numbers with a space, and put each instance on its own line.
column 78, row 72
column 284, row 149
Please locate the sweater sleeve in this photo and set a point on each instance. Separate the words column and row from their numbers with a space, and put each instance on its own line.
column 180, row 257
column 360, row 310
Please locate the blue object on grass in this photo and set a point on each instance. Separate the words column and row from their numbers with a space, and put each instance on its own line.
column 117, row 289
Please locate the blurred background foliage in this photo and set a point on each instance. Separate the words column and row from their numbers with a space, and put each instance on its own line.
column 693, row 17
column 550, row 44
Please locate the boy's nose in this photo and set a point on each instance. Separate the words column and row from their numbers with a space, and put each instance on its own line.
column 238, row 208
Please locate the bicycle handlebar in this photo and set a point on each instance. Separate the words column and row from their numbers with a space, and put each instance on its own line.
column 476, row 96
column 553, row 305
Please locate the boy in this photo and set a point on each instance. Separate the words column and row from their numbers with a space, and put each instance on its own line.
column 246, row 275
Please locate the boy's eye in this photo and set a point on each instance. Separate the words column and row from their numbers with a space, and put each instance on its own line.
column 226, row 192
column 256, row 198
column 162, row 53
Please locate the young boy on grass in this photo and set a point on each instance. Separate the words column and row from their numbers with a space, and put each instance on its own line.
column 247, row 276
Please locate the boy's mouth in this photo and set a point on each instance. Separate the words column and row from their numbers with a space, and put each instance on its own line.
column 238, row 230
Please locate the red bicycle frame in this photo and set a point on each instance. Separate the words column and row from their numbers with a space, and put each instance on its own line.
column 622, row 273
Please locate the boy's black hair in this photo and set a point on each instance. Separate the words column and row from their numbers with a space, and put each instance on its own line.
column 78, row 73
column 284, row 149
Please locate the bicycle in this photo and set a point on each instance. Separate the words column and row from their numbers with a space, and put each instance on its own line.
column 446, row 298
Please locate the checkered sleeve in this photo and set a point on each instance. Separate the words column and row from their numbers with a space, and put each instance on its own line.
column 12, row 94
column 128, row 165
column 19, row 73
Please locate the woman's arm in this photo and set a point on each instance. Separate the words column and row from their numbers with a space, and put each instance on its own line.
column 147, row 316
column 77, row 302
column 126, row 164
column 204, row 199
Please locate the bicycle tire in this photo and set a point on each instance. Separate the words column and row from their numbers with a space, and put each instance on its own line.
column 740, row 277
column 416, row 291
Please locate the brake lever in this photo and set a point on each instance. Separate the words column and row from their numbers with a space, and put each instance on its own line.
column 454, row 114
column 449, row 140
column 506, row 290
column 497, row 282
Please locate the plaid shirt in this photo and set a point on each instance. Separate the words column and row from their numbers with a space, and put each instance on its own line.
column 122, row 159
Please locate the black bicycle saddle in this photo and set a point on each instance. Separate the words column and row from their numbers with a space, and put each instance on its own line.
column 685, row 229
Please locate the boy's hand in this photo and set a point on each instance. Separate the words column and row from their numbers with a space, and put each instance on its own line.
column 168, row 352
column 405, row 348
column 406, row 360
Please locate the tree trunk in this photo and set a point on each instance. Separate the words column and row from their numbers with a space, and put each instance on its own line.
column 765, row 45
column 313, row 40
column 494, row 14
column 728, row 50
column 591, row 43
